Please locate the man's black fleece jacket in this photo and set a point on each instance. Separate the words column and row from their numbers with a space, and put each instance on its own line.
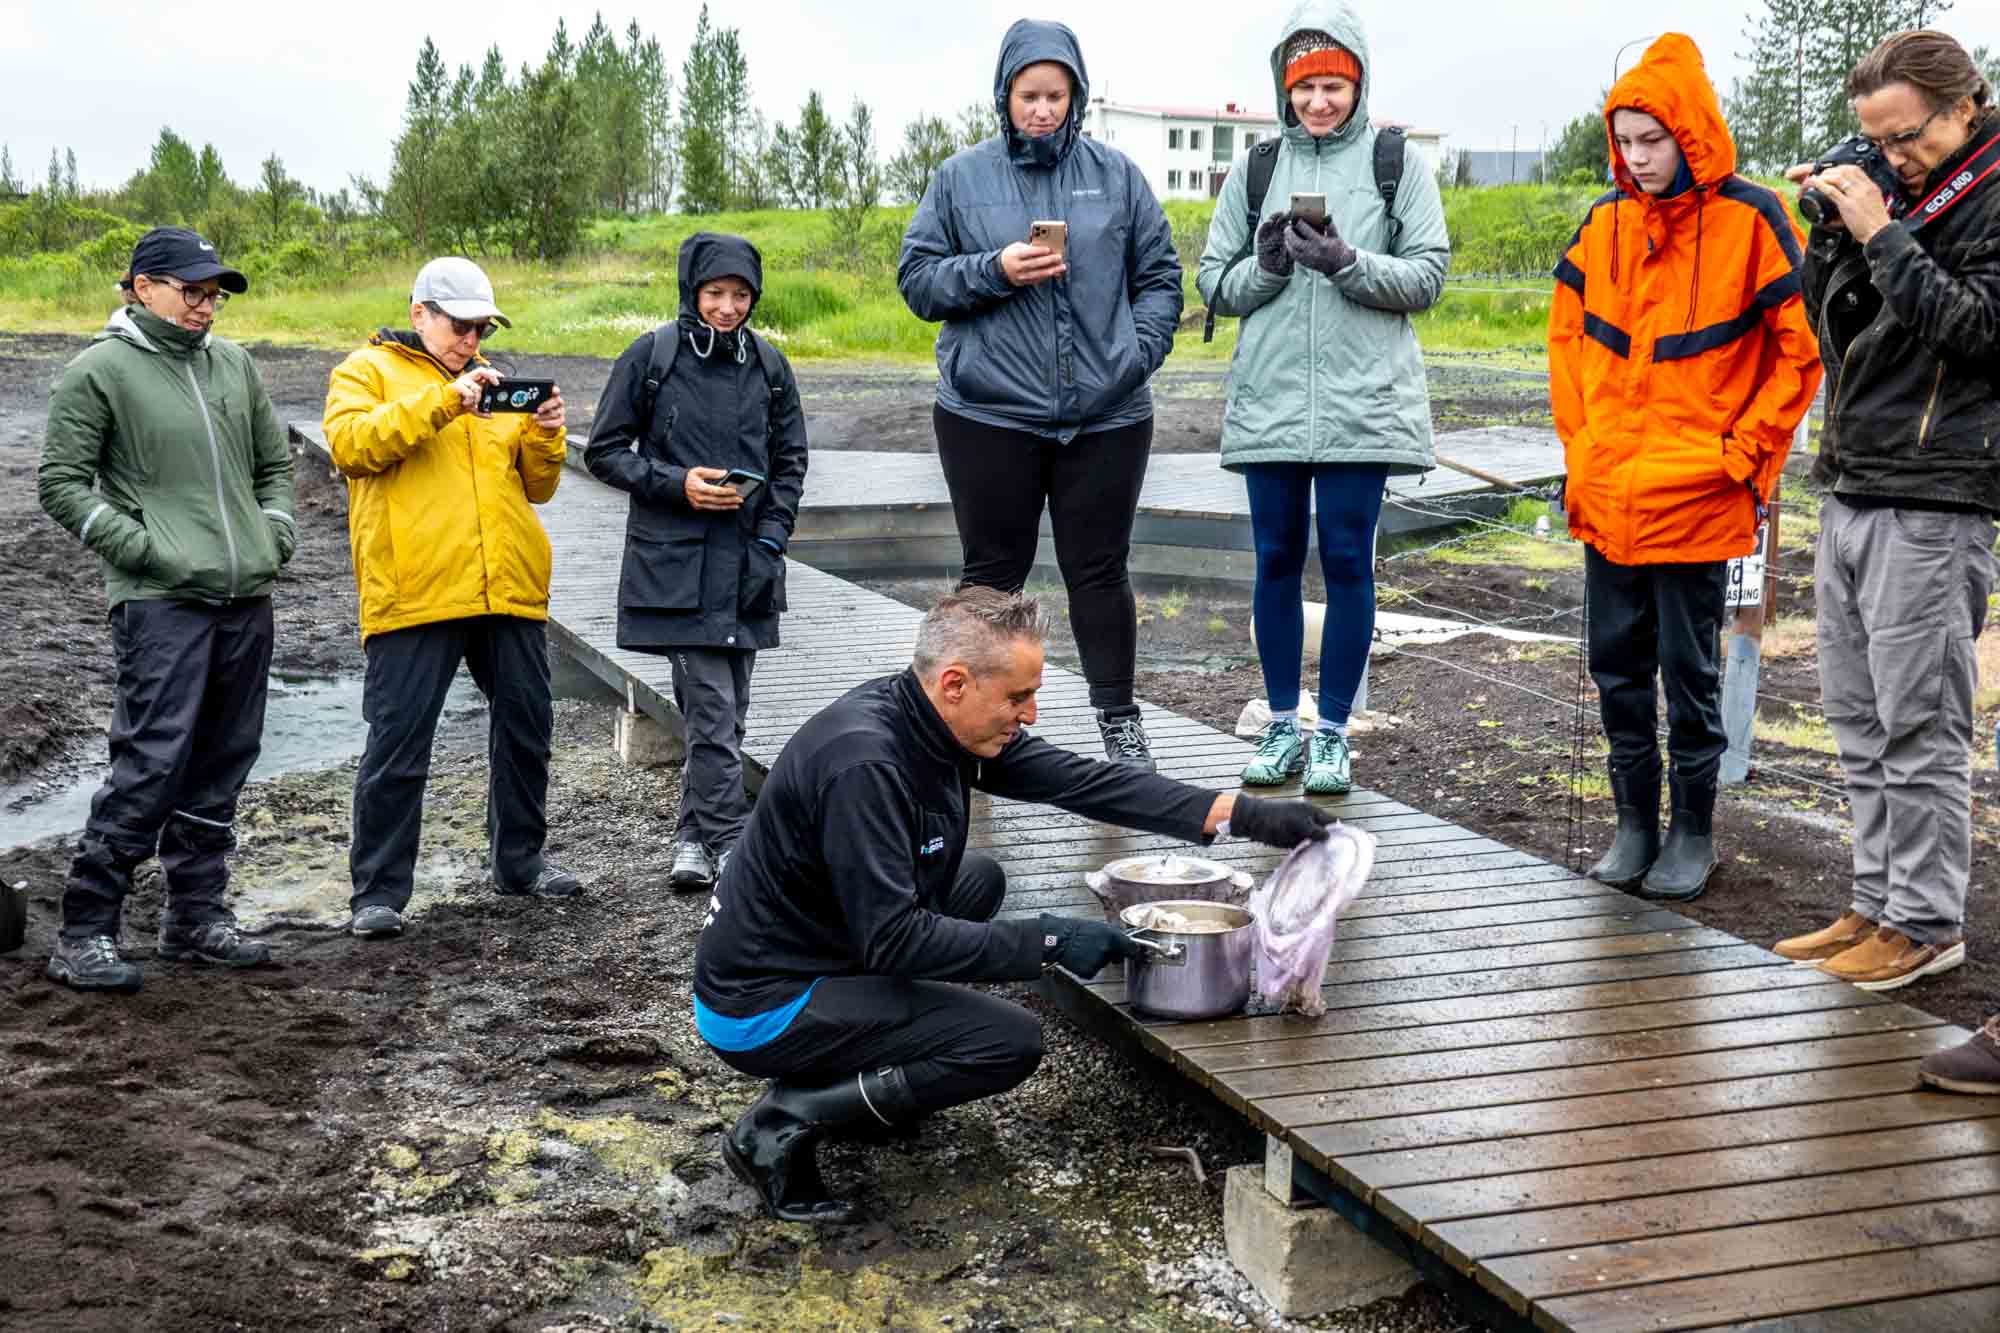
column 858, row 832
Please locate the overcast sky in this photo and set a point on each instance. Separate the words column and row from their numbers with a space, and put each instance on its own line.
column 323, row 84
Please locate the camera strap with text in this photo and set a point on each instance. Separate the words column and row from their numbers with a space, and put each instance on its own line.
column 1980, row 170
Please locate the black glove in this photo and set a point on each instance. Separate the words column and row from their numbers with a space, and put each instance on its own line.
column 1272, row 256
column 1082, row 946
column 1317, row 248
column 1283, row 824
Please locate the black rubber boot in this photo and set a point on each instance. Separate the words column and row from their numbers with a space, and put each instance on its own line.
column 1637, row 845
column 772, row 1149
column 1688, row 858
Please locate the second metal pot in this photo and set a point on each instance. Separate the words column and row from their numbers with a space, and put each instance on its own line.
column 1190, row 975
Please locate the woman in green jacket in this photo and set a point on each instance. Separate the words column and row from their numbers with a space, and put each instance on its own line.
column 165, row 459
column 1326, row 390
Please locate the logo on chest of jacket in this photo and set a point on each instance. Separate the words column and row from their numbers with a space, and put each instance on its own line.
column 931, row 848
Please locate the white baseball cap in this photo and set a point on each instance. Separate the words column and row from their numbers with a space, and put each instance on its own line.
column 458, row 287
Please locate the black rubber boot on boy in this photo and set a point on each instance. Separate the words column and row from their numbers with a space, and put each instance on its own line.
column 773, row 1148
column 1688, row 858
column 1637, row 845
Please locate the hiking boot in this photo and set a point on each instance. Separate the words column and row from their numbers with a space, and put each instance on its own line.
column 215, row 942
column 1281, row 756
column 1637, row 844
column 376, row 922
column 91, row 964
column 773, row 1147
column 1687, row 858
column 1330, row 766
column 551, row 883
column 1890, row 960
column 692, row 870
column 1813, row 949
column 1971, row 1066
column 1125, row 737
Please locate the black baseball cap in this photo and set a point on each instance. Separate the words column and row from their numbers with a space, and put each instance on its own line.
column 176, row 252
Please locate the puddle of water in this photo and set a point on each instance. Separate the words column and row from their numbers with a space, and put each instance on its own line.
column 309, row 724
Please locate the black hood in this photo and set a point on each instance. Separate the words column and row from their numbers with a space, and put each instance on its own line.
column 707, row 255
column 1030, row 42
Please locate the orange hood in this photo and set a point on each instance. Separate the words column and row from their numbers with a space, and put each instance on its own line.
column 1671, row 85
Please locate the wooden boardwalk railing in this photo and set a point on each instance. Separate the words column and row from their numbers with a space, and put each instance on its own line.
column 1603, row 1113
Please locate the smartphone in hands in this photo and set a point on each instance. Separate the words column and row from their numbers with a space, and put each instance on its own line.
column 1051, row 235
column 743, row 482
column 511, row 395
column 1311, row 206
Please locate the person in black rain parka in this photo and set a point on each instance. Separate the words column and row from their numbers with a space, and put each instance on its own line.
column 704, row 572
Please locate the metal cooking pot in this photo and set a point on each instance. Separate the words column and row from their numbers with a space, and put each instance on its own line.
column 1189, row 975
column 1150, row 878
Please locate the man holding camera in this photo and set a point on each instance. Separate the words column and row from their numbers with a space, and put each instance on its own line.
column 453, row 566
column 1902, row 279
column 852, row 902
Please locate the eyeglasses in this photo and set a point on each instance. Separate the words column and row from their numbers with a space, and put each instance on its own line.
column 1907, row 137
column 461, row 327
column 196, row 297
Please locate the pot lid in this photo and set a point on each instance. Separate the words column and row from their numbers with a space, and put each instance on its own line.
column 1167, row 868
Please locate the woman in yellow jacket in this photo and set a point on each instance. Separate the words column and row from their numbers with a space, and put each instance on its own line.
column 452, row 566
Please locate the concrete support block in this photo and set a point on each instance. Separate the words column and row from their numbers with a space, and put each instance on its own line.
column 1304, row 1260
column 645, row 743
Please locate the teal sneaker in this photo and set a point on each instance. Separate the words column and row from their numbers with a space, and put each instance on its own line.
column 1281, row 756
column 1330, row 772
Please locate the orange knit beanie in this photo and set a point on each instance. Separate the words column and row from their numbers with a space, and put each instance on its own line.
column 1312, row 54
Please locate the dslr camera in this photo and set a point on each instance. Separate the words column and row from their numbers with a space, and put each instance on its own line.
column 1854, row 151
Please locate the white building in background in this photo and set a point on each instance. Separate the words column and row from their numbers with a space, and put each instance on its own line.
column 1185, row 152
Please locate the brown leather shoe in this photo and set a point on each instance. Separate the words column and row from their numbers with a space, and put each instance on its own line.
column 1814, row 949
column 1970, row 1066
column 1889, row 959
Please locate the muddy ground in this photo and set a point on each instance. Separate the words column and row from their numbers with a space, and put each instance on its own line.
column 505, row 1121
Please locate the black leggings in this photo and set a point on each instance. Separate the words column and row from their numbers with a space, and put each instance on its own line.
column 954, row 1044
column 1001, row 479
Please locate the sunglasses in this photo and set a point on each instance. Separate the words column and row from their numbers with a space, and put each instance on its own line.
column 461, row 327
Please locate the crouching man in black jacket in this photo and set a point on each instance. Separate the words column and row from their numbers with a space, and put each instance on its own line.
column 851, row 899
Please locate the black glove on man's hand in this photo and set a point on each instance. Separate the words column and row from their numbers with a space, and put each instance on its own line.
column 1272, row 255
column 1317, row 248
column 1283, row 824
column 1083, row 946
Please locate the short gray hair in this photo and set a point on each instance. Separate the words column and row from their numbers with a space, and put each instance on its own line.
column 974, row 626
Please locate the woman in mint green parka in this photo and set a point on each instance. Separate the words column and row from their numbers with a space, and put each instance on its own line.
column 1326, row 389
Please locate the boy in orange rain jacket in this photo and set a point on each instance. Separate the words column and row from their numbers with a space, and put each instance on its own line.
column 1680, row 362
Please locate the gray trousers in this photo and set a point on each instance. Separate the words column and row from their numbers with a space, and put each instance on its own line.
column 1902, row 598
column 712, row 690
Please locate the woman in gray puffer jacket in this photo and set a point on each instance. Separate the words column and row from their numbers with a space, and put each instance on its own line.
column 1044, row 357
column 1326, row 391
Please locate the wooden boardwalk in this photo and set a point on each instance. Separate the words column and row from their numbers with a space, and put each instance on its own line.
column 1606, row 1115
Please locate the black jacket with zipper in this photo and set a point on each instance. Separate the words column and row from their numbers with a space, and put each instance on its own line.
column 859, row 832
column 698, row 578
column 1909, row 327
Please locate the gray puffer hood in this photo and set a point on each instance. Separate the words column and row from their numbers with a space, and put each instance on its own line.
column 1030, row 42
column 1337, row 20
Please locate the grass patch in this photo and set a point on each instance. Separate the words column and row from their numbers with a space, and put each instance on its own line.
column 1801, row 731
column 825, row 298
column 1515, row 549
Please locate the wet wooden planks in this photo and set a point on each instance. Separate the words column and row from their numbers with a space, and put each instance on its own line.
column 1606, row 1114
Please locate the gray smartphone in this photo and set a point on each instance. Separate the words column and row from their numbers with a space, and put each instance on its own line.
column 743, row 481
column 1310, row 206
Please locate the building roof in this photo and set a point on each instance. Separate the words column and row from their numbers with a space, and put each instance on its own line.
column 1233, row 114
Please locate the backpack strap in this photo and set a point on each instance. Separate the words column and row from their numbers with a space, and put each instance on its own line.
column 667, row 343
column 1388, row 176
column 1262, row 164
